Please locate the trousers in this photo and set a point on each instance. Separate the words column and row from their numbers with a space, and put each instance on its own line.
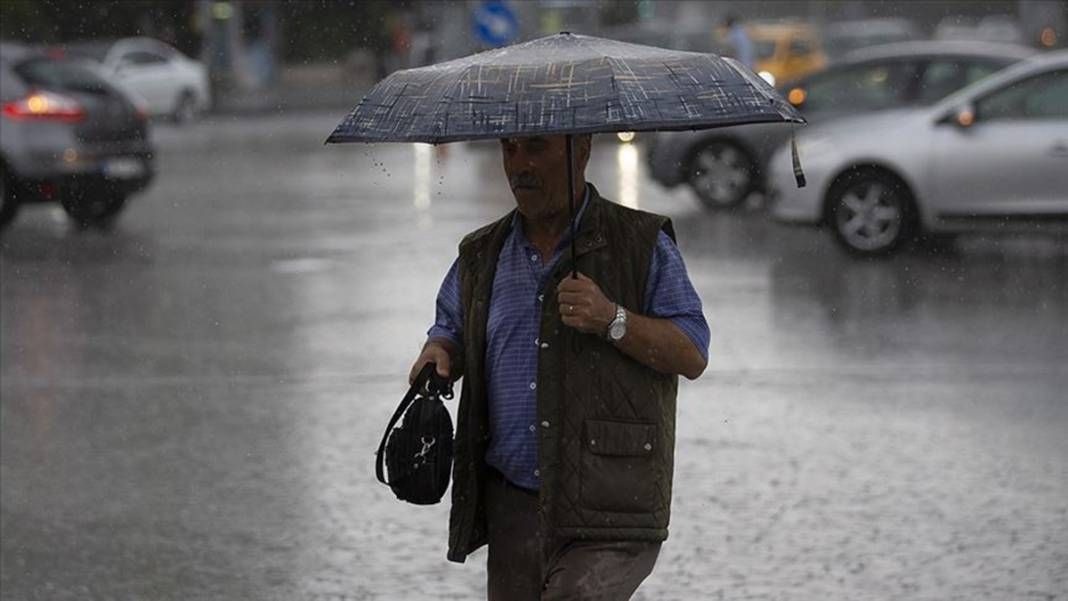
column 519, row 569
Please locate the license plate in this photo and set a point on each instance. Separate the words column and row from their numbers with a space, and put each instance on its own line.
column 123, row 168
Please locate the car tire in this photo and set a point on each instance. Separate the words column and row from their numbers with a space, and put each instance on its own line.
column 185, row 108
column 870, row 212
column 9, row 204
column 721, row 174
column 98, row 210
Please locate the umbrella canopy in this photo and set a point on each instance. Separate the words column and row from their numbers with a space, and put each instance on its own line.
column 562, row 84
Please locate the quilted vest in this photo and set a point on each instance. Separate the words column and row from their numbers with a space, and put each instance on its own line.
column 607, row 422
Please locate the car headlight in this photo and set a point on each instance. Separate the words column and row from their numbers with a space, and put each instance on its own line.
column 814, row 147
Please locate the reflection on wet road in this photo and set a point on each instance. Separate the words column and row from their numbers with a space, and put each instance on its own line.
column 190, row 403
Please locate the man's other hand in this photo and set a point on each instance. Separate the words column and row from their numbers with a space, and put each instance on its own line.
column 583, row 306
column 434, row 350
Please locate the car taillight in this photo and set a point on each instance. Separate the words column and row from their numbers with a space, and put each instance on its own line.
column 140, row 110
column 47, row 106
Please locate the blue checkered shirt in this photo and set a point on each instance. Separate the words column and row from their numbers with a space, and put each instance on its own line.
column 512, row 336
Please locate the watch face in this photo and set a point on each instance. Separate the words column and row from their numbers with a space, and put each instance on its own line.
column 617, row 331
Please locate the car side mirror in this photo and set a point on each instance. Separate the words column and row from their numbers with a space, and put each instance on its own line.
column 962, row 116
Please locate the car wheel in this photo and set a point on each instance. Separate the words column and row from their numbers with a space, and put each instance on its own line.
column 9, row 205
column 94, row 210
column 185, row 108
column 870, row 213
column 721, row 174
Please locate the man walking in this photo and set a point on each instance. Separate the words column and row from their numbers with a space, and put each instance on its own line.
column 565, row 427
column 740, row 43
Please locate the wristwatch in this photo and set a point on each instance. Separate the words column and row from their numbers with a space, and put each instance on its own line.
column 617, row 329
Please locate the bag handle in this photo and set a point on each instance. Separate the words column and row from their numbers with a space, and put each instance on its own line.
column 427, row 381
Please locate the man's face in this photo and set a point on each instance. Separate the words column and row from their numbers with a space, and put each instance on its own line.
column 536, row 167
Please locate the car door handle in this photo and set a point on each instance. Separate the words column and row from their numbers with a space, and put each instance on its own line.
column 1060, row 149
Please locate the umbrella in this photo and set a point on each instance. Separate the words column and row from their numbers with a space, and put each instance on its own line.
column 564, row 84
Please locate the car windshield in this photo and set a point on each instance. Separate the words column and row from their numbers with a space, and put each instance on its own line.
column 942, row 77
column 97, row 51
column 61, row 75
column 861, row 87
column 844, row 44
column 764, row 49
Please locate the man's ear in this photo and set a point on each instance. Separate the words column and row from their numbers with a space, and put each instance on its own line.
column 584, row 145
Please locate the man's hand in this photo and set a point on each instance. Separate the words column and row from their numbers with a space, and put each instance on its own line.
column 436, row 350
column 583, row 306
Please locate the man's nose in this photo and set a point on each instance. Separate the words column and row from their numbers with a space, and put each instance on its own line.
column 522, row 156
column 521, row 160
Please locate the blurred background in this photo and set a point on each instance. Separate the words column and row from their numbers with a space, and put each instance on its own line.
column 207, row 316
column 275, row 47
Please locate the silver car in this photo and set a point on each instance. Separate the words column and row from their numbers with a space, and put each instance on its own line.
column 723, row 166
column 993, row 154
column 67, row 137
column 167, row 82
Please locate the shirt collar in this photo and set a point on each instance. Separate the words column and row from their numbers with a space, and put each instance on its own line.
column 517, row 228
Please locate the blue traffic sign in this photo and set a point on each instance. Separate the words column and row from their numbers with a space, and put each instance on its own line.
column 495, row 23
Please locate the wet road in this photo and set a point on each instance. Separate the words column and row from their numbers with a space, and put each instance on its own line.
column 190, row 403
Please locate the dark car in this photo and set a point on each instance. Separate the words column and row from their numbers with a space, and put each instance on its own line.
column 723, row 166
column 67, row 136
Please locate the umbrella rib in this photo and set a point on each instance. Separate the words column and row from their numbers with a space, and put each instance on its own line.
column 674, row 76
column 567, row 87
column 515, row 79
column 446, row 100
column 478, row 81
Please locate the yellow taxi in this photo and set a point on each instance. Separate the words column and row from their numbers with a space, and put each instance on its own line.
column 785, row 51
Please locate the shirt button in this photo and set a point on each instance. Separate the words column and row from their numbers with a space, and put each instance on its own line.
column 533, row 385
column 537, row 473
column 532, row 428
column 536, row 340
column 533, row 257
column 545, row 345
column 541, row 297
column 544, row 424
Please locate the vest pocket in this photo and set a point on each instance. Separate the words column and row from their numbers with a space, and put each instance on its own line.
column 618, row 467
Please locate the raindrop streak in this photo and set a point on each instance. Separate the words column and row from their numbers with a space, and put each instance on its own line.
column 421, row 179
column 627, row 164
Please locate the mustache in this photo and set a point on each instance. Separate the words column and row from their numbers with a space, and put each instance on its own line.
column 524, row 180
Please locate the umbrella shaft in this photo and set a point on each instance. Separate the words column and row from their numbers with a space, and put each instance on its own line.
column 569, row 142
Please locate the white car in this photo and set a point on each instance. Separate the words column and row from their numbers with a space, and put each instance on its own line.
column 165, row 81
column 993, row 154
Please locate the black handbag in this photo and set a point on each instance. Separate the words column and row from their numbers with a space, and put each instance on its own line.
column 418, row 454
